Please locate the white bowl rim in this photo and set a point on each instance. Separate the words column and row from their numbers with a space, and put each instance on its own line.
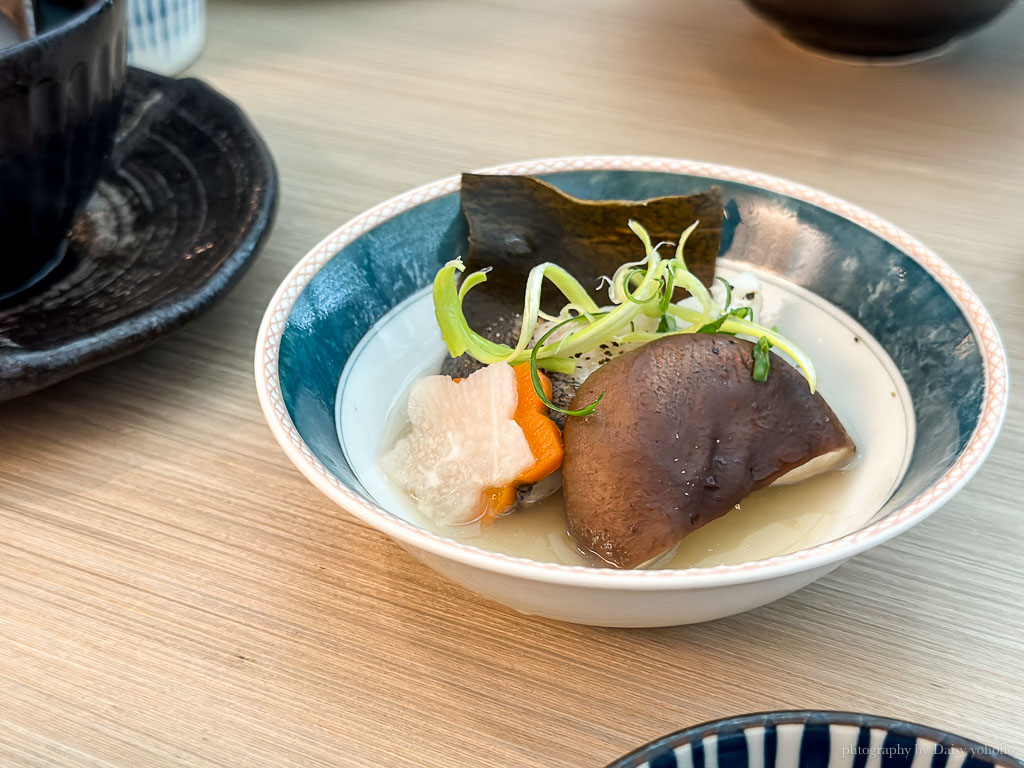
column 994, row 403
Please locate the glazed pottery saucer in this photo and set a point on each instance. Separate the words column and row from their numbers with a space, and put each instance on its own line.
column 183, row 208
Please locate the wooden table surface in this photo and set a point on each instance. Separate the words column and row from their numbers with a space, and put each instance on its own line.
column 174, row 593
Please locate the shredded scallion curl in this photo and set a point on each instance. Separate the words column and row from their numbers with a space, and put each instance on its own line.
column 638, row 288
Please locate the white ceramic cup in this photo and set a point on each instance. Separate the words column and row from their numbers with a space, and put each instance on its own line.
column 165, row 36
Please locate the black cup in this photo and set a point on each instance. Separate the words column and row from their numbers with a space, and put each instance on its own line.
column 60, row 101
column 877, row 28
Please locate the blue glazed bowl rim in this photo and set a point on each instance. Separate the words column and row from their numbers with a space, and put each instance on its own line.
column 994, row 404
column 81, row 17
column 695, row 733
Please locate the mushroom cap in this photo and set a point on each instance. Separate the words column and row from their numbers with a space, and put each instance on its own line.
column 682, row 435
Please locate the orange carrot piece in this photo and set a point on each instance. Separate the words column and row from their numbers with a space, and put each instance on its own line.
column 498, row 501
column 542, row 435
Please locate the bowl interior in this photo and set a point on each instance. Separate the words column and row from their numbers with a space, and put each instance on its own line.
column 890, row 294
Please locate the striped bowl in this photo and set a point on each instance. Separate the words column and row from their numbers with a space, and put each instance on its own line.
column 813, row 740
column 165, row 36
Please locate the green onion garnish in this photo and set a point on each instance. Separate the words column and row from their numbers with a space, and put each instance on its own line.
column 728, row 293
column 630, row 296
column 538, row 386
column 714, row 325
column 638, row 289
column 762, row 359
column 743, row 313
column 666, row 296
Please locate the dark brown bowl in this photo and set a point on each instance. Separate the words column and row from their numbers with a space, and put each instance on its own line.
column 877, row 28
column 60, row 101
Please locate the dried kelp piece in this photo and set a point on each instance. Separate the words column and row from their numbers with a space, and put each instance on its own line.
column 683, row 434
column 518, row 222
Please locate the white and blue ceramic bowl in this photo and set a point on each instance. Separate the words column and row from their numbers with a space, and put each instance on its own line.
column 814, row 740
column 921, row 312
column 165, row 36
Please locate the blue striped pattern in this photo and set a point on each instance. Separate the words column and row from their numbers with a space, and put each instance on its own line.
column 814, row 740
column 165, row 35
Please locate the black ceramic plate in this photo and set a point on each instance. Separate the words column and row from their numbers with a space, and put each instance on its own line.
column 182, row 210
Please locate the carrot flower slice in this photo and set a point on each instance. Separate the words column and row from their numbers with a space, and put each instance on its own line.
column 542, row 435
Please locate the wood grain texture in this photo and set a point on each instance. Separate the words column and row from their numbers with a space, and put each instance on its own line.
column 173, row 593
